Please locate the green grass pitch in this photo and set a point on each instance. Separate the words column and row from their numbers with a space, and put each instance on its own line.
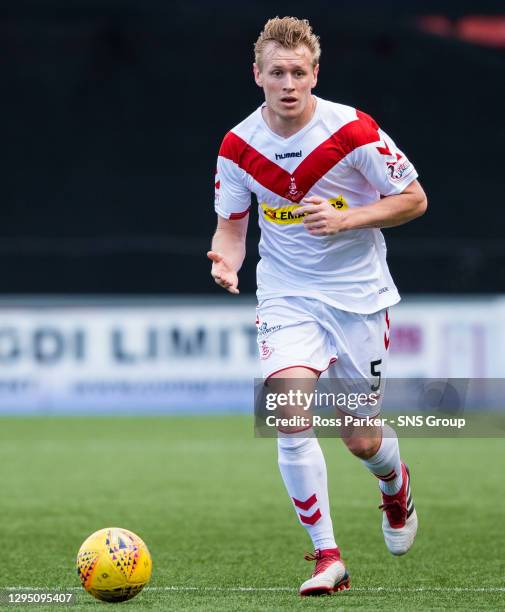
column 207, row 498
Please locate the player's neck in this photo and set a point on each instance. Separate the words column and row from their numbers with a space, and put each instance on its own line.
column 288, row 127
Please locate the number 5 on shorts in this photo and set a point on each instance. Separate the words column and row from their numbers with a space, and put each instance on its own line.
column 375, row 372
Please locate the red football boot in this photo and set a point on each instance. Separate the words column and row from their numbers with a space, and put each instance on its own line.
column 399, row 521
column 329, row 574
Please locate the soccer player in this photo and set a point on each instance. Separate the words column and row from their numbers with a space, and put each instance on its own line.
column 326, row 178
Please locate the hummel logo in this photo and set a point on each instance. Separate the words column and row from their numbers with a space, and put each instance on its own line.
column 286, row 155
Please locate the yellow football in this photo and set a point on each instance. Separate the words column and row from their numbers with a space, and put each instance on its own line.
column 114, row 564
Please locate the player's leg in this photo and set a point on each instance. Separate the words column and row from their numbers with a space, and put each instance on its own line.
column 379, row 450
column 365, row 356
column 303, row 470
column 288, row 335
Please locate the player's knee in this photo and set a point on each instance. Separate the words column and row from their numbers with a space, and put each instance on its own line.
column 363, row 447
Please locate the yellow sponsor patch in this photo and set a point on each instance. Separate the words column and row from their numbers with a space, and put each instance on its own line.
column 284, row 214
column 338, row 203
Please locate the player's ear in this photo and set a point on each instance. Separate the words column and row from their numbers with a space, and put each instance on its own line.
column 315, row 72
column 257, row 75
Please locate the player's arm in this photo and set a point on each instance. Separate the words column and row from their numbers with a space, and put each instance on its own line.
column 321, row 219
column 228, row 251
column 389, row 172
column 232, row 203
column 389, row 211
column 387, row 169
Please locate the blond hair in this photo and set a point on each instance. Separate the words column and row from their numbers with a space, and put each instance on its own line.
column 288, row 32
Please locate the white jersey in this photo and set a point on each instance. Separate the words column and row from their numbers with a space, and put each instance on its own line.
column 340, row 155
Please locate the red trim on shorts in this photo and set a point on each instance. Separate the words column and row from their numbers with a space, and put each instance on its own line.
column 294, row 366
column 319, row 372
column 386, row 336
column 316, row 370
column 386, row 341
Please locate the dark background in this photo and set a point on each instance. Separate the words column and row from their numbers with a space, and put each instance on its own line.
column 113, row 112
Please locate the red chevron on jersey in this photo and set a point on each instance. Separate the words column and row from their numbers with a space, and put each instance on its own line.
column 294, row 186
column 354, row 134
column 340, row 155
column 267, row 173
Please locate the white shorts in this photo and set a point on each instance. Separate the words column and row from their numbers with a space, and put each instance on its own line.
column 299, row 331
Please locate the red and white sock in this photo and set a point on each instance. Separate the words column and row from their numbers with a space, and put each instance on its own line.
column 386, row 464
column 303, row 470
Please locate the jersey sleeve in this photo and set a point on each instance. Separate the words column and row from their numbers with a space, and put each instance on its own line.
column 383, row 164
column 232, row 197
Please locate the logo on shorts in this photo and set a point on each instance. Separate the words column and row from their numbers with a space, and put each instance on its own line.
column 263, row 329
column 265, row 350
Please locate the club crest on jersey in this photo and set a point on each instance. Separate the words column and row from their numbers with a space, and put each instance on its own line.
column 293, row 192
column 396, row 168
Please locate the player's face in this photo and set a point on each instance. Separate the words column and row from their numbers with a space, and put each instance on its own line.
column 287, row 77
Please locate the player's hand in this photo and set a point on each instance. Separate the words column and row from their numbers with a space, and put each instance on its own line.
column 223, row 274
column 320, row 218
